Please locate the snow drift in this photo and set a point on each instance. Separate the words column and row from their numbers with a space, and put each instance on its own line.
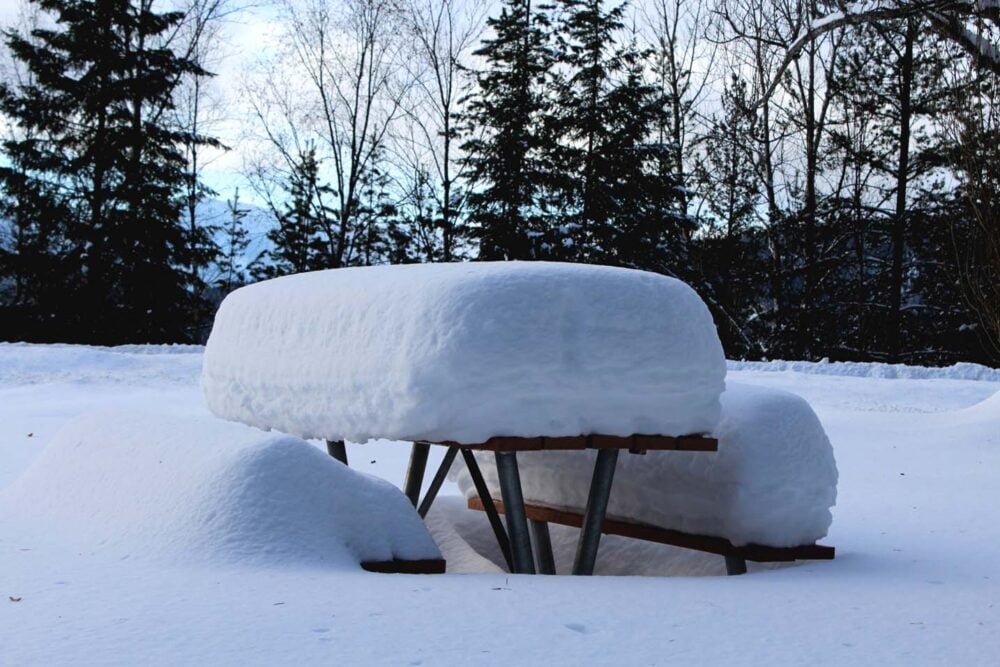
column 465, row 352
column 962, row 370
column 131, row 484
column 772, row 482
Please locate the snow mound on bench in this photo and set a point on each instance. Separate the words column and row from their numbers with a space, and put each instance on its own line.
column 465, row 352
column 130, row 484
column 772, row 482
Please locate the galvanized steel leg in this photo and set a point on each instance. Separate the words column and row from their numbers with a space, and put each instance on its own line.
column 513, row 508
column 337, row 450
column 543, row 546
column 735, row 565
column 491, row 509
column 597, row 506
column 438, row 480
column 415, row 473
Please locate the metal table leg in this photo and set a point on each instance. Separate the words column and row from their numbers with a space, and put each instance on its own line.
column 543, row 546
column 597, row 506
column 735, row 565
column 415, row 473
column 337, row 450
column 491, row 509
column 439, row 477
column 513, row 504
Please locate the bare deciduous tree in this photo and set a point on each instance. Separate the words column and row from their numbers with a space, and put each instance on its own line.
column 974, row 25
column 338, row 82
column 199, row 106
column 444, row 33
column 682, row 63
column 974, row 130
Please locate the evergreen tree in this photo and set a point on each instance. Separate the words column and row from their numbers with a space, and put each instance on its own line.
column 104, row 171
column 421, row 233
column 304, row 231
column 234, row 246
column 380, row 229
column 505, row 157
column 617, row 197
column 32, row 247
column 892, row 83
column 729, row 245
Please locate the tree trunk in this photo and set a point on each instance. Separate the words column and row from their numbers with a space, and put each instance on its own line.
column 898, row 235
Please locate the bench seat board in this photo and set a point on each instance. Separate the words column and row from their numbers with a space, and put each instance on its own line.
column 716, row 545
column 398, row 566
column 770, row 478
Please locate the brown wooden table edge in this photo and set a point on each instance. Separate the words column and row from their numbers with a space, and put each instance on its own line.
column 756, row 552
column 400, row 566
column 637, row 443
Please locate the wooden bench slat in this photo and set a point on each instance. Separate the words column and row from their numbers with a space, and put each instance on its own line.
column 716, row 545
column 612, row 442
column 399, row 566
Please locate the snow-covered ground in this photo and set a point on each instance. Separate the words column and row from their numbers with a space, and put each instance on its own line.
column 915, row 580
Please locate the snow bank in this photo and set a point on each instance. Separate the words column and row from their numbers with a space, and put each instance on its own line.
column 987, row 410
column 24, row 363
column 466, row 351
column 772, row 481
column 131, row 484
column 959, row 371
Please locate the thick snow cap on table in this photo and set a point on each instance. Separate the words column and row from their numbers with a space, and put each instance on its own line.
column 772, row 482
column 138, row 485
column 465, row 352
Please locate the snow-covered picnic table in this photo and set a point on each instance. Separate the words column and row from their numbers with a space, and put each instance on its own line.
column 504, row 357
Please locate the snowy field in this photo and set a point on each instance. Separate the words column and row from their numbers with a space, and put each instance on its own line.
column 915, row 580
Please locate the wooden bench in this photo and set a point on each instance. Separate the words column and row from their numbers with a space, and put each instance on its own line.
column 400, row 566
column 514, row 539
column 486, row 348
column 736, row 556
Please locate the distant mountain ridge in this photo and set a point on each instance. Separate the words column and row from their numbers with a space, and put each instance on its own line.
column 258, row 222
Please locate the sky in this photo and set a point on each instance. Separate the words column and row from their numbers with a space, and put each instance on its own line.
column 244, row 36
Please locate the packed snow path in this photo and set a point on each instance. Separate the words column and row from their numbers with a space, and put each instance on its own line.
column 914, row 581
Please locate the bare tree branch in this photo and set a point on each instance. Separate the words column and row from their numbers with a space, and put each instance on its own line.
column 949, row 18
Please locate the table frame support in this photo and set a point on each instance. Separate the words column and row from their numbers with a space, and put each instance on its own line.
column 597, row 507
column 439, row 477
column 517, row 521
column 543, row 546
column 415, row 471
column 337, row 449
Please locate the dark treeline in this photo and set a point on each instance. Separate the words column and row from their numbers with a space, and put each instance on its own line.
column 830, row 192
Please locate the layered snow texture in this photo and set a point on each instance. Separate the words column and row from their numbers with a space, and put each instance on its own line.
column 199, row 489
column 464, row 352
column 772, row 482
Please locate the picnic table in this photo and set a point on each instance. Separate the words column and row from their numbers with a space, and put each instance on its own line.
column 516, row 541
column 505, row 357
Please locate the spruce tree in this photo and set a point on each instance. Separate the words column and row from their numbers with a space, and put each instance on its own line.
column 890, row 83
column 302, row 236
column 103, row 169
column 729, row 252
column 617, row 199
column 236, row 240
column 505, row 151
column 379, row 228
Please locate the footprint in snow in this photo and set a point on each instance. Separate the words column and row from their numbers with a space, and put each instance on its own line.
column 578, row 627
